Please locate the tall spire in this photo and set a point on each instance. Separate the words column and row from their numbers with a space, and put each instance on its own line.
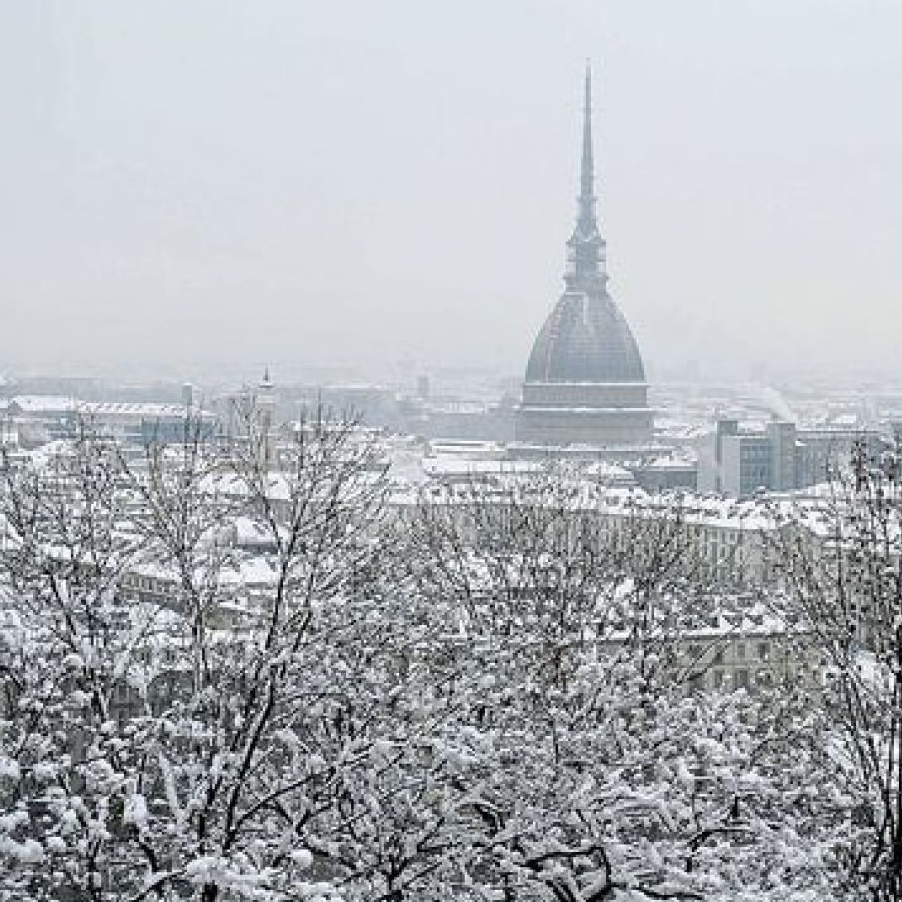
column 587, row 171
column 586, row 247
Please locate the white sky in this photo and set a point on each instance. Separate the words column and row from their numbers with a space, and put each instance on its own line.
column 202, row 185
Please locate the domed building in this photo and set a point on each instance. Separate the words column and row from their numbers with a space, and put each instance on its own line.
column 585, row 381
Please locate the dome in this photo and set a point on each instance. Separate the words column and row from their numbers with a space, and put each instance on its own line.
column 585, row 339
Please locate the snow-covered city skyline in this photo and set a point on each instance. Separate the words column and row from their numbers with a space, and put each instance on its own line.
column 450, row 452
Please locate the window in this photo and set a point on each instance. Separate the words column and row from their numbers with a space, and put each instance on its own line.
column 763, row 651
column 742, row 678
column 740, row 651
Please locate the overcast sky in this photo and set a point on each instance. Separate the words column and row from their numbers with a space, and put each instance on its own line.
column 188, row 185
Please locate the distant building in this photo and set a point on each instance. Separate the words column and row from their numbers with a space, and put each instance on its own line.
column 43, row 418
column 585, row 381
column 739, row 461
column 666, row 474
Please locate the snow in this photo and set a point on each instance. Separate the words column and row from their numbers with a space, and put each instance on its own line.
column 9, row 768
column 465, row 709
column 135, row 811
column 43, row 404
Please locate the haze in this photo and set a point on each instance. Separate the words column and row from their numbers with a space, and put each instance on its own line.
column 198, row 187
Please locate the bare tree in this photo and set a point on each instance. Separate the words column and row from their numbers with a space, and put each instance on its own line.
column 174, row 704
column 590, row 770
column 842, row 565
column 239, row 672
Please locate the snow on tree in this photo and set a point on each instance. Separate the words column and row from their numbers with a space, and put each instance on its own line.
column 229, row 674
column 842, row 566
column 592, row 773
column 157, row 743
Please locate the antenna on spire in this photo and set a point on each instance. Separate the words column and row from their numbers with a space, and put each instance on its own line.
column 587, row 175
column 587, row 172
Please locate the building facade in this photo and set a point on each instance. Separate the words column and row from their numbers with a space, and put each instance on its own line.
column 739, row 461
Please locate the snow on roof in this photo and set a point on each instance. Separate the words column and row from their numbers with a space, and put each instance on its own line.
column 43, row 404
column 45, row 454
column 250, row 532
column 670, row 463
column 454, row 465
column 137, row 409
column 603, row 469
column 59, row 404
column 250, row 571
column 746, row 515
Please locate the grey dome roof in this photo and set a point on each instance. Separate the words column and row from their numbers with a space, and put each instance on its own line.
column 585, row 339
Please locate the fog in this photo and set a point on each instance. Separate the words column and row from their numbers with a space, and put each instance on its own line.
column 211, row 187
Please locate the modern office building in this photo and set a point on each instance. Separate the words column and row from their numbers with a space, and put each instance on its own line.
column 739, row 460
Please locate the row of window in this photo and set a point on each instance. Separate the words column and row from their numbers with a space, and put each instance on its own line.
column 741, row 651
